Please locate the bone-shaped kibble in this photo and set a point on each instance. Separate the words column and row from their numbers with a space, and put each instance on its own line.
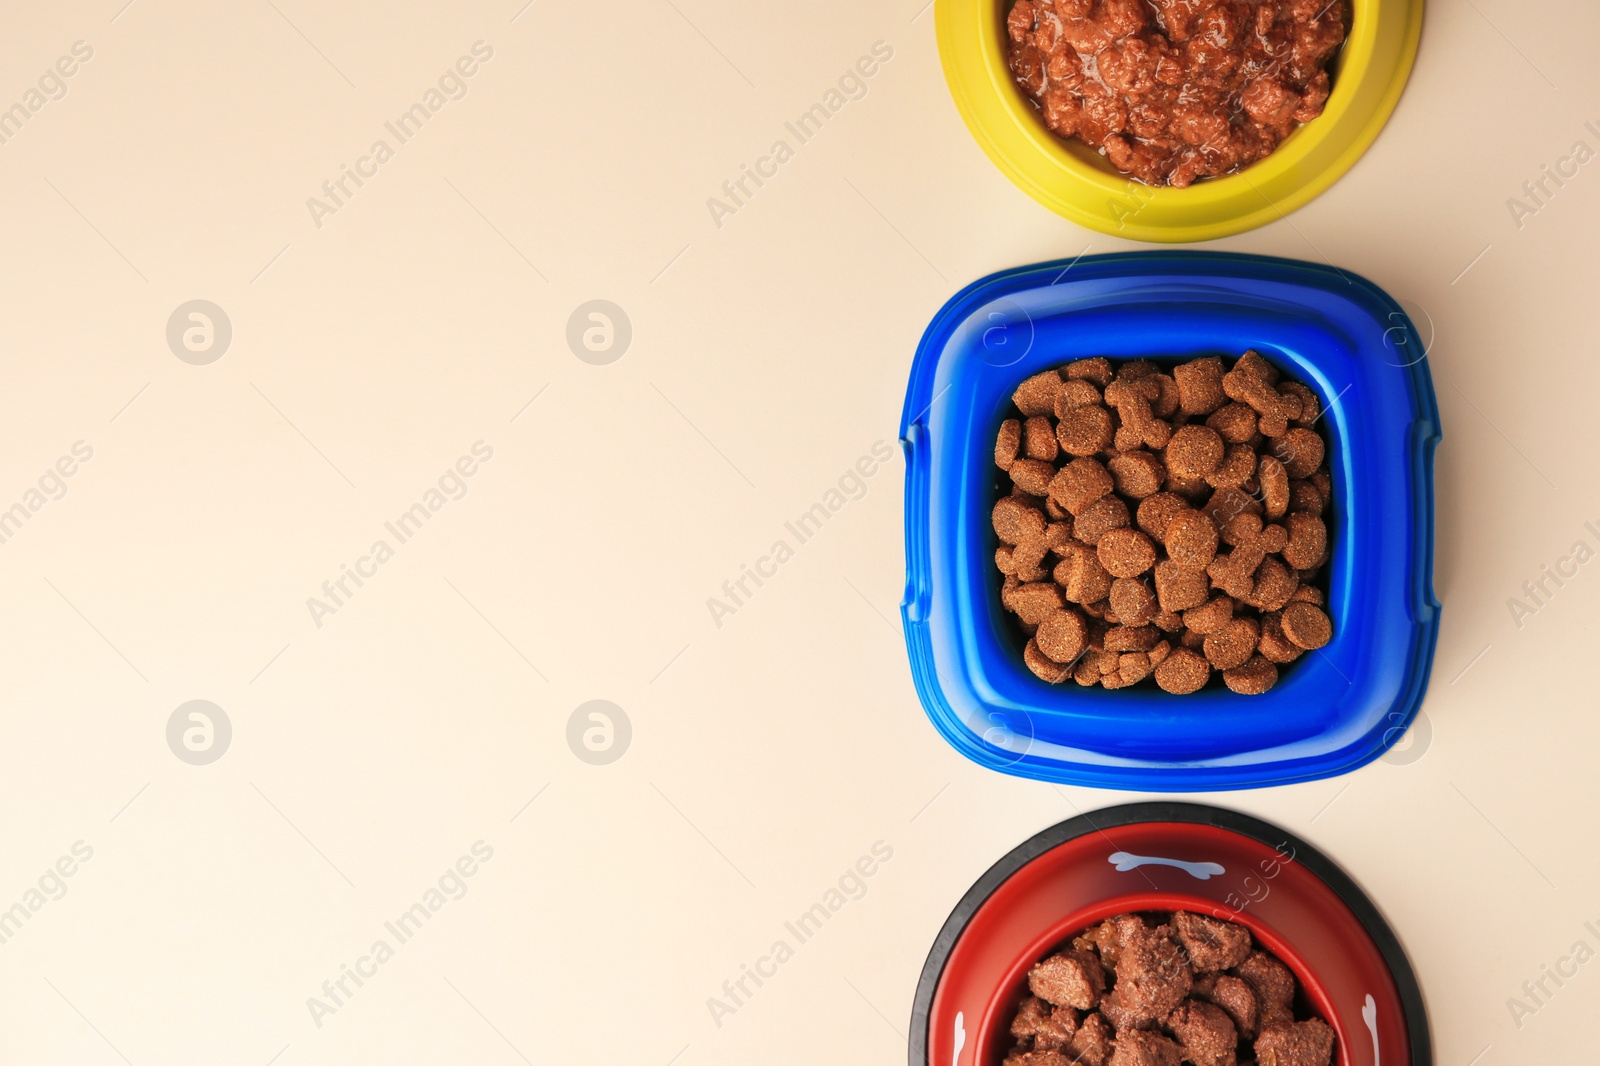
column 1247, row 383
column 1140, row 426
column 1234, row 573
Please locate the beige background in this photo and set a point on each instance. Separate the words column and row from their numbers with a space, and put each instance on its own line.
column 768, row 354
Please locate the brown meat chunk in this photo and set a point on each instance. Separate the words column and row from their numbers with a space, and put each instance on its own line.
column 1069, row 979
column 1211, row 944
column 1138, row 1047
column 1234, row 995
column 1153, row 976
column 1093, row 1043
column 1274, row 988
column 1206, row 1032
column 1307, row 1043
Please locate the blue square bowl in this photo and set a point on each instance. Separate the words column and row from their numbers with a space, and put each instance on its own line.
column 1332, row 710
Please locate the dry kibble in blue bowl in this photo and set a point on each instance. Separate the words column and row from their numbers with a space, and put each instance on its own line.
column 1237, row 540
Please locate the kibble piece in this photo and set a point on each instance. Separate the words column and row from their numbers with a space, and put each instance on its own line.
column 1131, row 638
column 1140, row 1047
column 1307, row 594
column 1304, row 497
column 1275, row 584
column 1053, row 510
column 1027, row 559
column 1226, row 505
column 1015, row 521
column 1034, row 601
column 1193, row 641
column 1191, row 539
column 1085, row 430
column 1140, row 426
column 1100, row 518
column 1178, row 588
column 1307, row 1043
column 1207, row 1034
column 1008, row 443
column 1039, row 438
column 1200, row 385
column 1234, row 422
column 1194, row 451
column 1183, row 671
column 1233, row 644
column 1300, row 450
column 1274, row 482
column 1310, row 405
column 1032, row 475
column 1080, row 483
column 1274, row 646
column 1156, row 511
column 1212, row 944
column 1069, row 979
column 1097, row 370
column 1125, row 552
column 1250, row 382
column 1005, row 559
column 1134, row 666
column 1253, row 677
column 1165, row 405
column 1210, row 616
column 1192, row 490
column 1137, row 473
column 1238, row 466
column 1307, row 543
column 1062, row 635
column 1037, row 395
column 1307, row 625
column 1133, row 601
column 1274, row 988
column 1081, row 577
column 1136, row 370
column 1076, row 393
column 1044, row 667
column 1168, row 621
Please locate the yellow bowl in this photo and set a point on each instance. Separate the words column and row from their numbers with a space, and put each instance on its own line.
column 1075, row 181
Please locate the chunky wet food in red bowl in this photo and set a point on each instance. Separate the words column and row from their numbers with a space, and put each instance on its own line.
column 1154, row 901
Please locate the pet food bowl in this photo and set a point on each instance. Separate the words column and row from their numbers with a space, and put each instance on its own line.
column 1333, row 709
column 1073, row 180
column 1168, row 856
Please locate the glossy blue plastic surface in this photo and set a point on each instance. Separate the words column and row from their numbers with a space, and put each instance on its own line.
column 1332, row 710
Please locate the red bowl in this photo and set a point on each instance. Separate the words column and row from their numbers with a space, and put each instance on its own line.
column 1168, row 856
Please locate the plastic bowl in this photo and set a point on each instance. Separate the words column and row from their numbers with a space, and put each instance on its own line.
column 1073, row 180
column 1332, row 710
column 1296, row 903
